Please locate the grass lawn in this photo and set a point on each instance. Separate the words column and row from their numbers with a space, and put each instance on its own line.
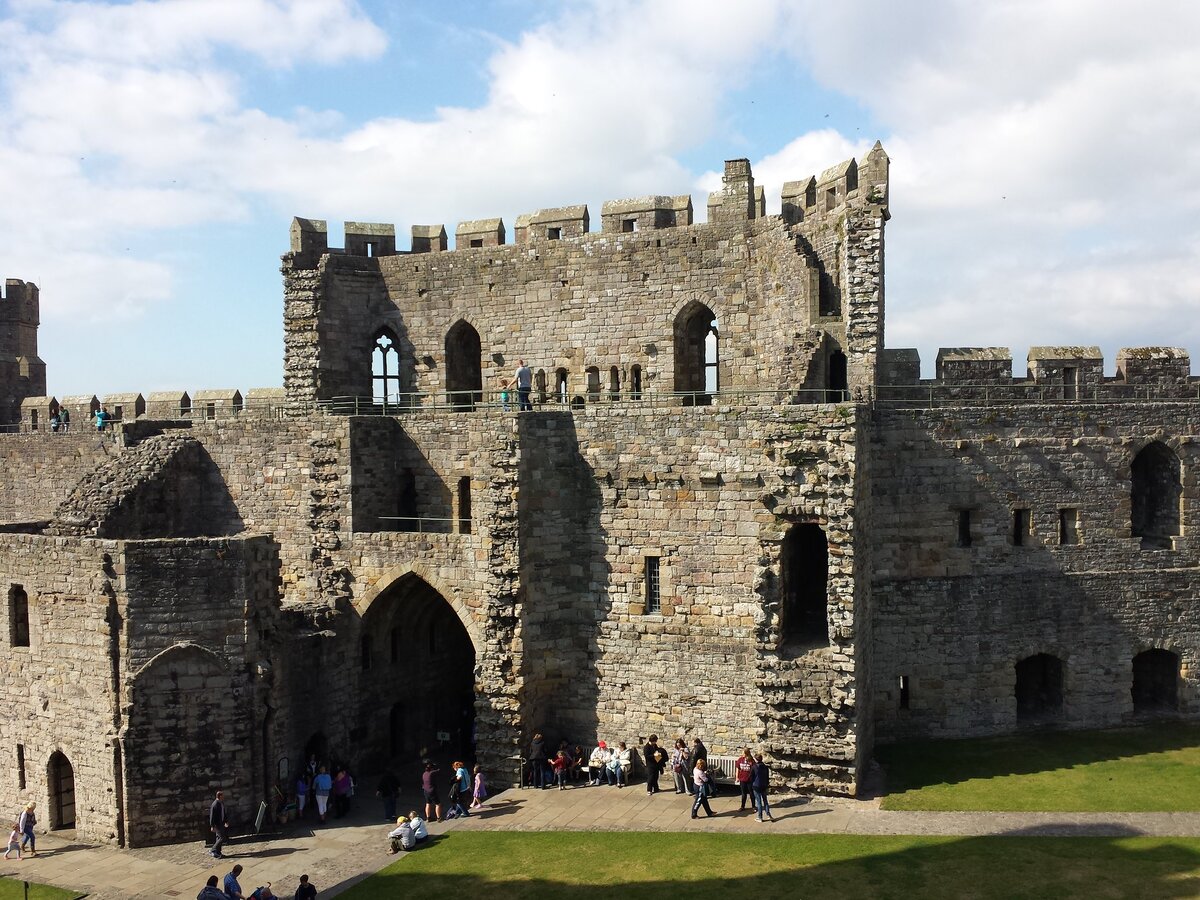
column 632, row 866
column 1151, row 769
column 13, row 889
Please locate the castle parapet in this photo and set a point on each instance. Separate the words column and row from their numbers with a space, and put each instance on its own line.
column 1153, row 365
column 370, row 239
column 1072, row 367
column 799, row 197
column 428, row 238
column 552, row 224
column 82, row 408
column 310, row 240
column 168, row 405
column 974, row 365
column 479, row 233
column 36, row 413
column 125, row 407
column 645, row 213
column 900, row 366
column 217, row 403
column 736, row 201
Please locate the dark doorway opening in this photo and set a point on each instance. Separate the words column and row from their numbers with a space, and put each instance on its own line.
column 421, row 703
column 464, row 371
column 1039, row 690
column 62, row 791
column 1154, row 501
column 804, row 565
column 836, row 377
column 1155, row 682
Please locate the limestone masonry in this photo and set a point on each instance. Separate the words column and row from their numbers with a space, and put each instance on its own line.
column 731, row 513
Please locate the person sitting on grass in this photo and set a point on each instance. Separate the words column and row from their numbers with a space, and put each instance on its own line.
column 417, row 824
column 401, row 837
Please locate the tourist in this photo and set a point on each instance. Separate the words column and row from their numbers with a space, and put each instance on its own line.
column 524, row 381
column 577, row 763
column 388, row 790
column 703, row 786
column 322, row 786
column 218, row 824
column 560, row 764
column 14, row 841
column 417, row 824
column 429, row 790
column 302, row 787
column 598, row 763
column 680, row 766
column 655, row 757
column 537, row 761
column 401, row 837
column 27, row 821
column 210, row 891
column 759, row 780
column 101, row 418
column 743, row 770
column 262, row 893
column 460, row 787
column 480, row 793
column 55, row 422
column 233, row 890
column 699, row 751
column 504, row 395
column 622, row 764
column 305, row 891
column 343, row 790
column 64, row 419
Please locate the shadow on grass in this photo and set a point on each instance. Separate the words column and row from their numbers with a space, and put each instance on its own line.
column 918, row 764
column 506, row 866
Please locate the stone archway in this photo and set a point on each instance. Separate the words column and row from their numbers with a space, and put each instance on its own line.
column 61, row 779
column 417, row 692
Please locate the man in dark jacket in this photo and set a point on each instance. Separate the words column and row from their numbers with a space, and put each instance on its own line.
column 218, row 824
column 537, row 761
column 655, row 759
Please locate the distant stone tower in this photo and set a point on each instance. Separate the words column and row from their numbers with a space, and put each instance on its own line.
column 22, row 372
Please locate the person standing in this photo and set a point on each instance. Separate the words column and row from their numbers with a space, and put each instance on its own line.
column 701, row 780
column 760, row 779
column 233, row 890
column 699, row 751
column 537, row 761
column 322, row 786
column 524, row 380
column 743, row 769
column 388, row 790
column 218, row 823
column 432, row 804
column 64, row 419
column 26, row 822
column 305, row 891
column 681, row 766
column 654, row 755
column 302, row 788
column 480, row 789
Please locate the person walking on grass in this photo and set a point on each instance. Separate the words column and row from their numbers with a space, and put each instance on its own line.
column 702, row 781
column 760, row 779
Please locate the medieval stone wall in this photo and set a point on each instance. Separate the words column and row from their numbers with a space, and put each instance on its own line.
column 38, row 471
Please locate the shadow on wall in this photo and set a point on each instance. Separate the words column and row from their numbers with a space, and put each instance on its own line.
column 394, row 486
column 566, row 577
column 844, row 866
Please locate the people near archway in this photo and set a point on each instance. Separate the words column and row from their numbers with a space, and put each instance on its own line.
column 460, row 787
column 218, row 824
column 303, row 786
column 343, row 790
column 417, row 824
column 743, row 770
column 433, row 805
column 64, row 419
column 210, row 891
column 480, row 792
column 598, row 763
column 703, row 788
column 560, row 764
column 306, row 890
column 27, row 821
column 523, row 379
column 537, row 761
column 577, row 763
column 322, row 787
column 388, row 790
column 55, row 422
column 401, row 837
column 681, row 767
column 14, row 841
column 656, row 759
column 760, row 780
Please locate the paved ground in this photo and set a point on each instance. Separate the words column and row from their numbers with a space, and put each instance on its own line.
column 344, row 852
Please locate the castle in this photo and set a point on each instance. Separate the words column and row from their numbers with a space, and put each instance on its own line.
column 732, row 513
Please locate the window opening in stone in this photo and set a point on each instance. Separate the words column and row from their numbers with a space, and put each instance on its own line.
column 385, row 369
column 560, row 386
column 539, row 383
column 1020, row 527
column 406, row 501
column 696, row 355
column 852, row 179
column 185, row 406
column 593, row 384
column 804, row 565
column 237, row 403
column 18, row 615
column 1155, row 496
column 476, row 242
column 653, row 593
column 370, row 245
column 830, row 199
column 1070, row 376
column 635, row 383
column 577, row 402
column 364, row 648
column 210, row 411
column 20, row 767
column 810, row 194
column 33, row 420
column 464, row 371
column 629, row 225
column 1039, row 688
column 904, row 692
column 964, row 528
column 464, row 505
column 614, row 384
column 1068, row 526
column 553, row 234
column 1155, row 682
column 62, row 791
column 835, row 378
column 829, row 295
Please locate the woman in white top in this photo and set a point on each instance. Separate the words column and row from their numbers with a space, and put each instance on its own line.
column 700, row 779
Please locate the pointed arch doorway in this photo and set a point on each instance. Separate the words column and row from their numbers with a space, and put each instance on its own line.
column 419, row 690
column 61, row 778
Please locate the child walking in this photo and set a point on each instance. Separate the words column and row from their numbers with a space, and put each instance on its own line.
column 480, row 789
column 14, row 841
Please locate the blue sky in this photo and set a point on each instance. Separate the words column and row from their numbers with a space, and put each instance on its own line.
column 1045, row 183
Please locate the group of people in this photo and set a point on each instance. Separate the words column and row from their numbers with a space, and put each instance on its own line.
column 231, row 889
column 463, row 785
column 316, row 788
column 22, row 835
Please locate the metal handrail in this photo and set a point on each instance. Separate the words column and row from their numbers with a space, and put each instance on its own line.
column 420, row 521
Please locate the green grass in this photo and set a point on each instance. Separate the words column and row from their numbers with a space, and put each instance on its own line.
column 14, row 889
column 1151, row 769
column 640, row 866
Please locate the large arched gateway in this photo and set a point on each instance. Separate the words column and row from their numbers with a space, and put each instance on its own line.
column 417, row 684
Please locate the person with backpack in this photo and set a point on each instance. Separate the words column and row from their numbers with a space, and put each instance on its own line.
column 681, row 766
column 703, row 782
column 306, row 890
column 262, row 893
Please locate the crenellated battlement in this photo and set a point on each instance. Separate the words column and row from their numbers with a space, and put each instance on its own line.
column 739, row 200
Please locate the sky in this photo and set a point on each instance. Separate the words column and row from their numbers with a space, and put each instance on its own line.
column 1045, row 178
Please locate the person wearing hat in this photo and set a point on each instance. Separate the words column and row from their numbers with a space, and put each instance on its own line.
column 401, row 837
column 26, row 823
column 598, row 764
